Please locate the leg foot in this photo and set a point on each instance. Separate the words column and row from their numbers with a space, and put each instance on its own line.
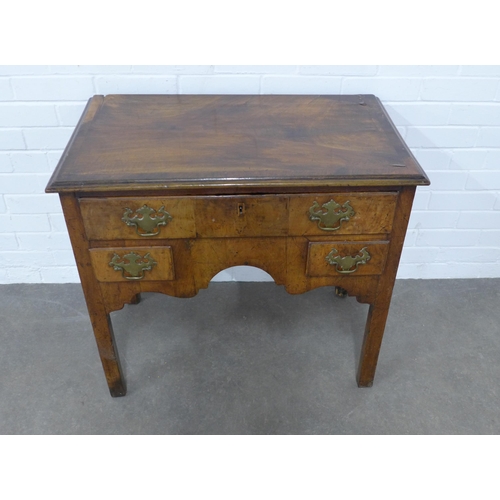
column 118, row 390
column 367, row 385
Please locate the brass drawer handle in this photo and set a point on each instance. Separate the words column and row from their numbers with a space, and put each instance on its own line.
column 146, row 220
column 334, row 215
column 132, row 265
column 344, row 265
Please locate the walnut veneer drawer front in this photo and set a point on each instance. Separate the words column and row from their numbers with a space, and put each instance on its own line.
column 128, row 264
column 241, row 216
column 342, row 213
column 185, row 217
column 347, row 258
column 138, row 218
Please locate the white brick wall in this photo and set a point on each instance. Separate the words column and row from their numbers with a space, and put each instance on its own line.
column 448, row 115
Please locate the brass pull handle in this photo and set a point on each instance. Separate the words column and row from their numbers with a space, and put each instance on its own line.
column 146, row 220
column 345, row 265
column 334, row 215
column 132, row 265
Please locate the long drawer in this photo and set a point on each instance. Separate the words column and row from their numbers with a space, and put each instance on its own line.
column 184, row 217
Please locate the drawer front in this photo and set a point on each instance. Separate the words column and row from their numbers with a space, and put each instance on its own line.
column 189, row 217
column 131, row 264
column 138, row 218
column 342, row 213
column 346, row 258
column 241, row 216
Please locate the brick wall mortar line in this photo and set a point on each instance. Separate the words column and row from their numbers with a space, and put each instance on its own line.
column 419, row 98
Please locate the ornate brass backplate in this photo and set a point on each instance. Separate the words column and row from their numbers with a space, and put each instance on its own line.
column 146, row 220
column 335, row 213
column 132, row 265
column 345, row 265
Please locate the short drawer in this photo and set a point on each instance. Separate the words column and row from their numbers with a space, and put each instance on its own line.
column 342, row 213
column 241, row 216
column 131, row 264
column 346, row 258
column 138, row 218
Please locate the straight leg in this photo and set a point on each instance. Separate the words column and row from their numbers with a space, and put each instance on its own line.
column 379, row 310
column 374, row 331
column 103, row 332
column 99, row 317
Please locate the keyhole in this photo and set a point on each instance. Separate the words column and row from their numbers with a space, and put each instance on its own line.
column 241, row 208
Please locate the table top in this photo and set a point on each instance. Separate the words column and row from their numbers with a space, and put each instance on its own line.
column 158, row 142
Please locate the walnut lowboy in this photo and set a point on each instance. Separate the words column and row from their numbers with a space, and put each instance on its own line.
column 164, row 202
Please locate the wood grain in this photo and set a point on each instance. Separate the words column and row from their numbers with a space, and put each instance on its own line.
column 103, row 217
column 374, row 213
column 169, row 141
column 241, row 216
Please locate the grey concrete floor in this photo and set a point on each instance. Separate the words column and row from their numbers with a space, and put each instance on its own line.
column 247, row 358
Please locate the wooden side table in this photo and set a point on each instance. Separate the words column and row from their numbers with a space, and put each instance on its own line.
column 161, row 192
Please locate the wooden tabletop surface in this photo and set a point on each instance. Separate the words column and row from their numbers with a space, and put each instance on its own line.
column 137, row 142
